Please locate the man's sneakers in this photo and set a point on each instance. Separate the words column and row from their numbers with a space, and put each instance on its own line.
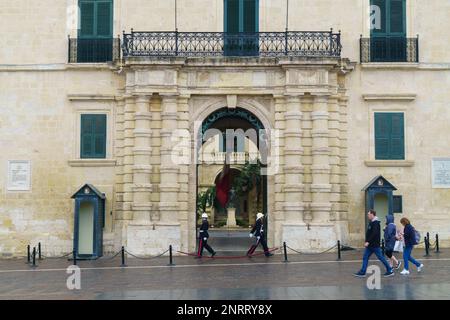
column 405, row 272
column 419, row 268
column 398, row 265
column 359, row 274
column 268, row 254
column 213, row 254
column 389, row 274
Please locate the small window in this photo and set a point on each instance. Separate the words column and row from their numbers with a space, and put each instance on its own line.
column 93, row 136
column 398, row 204
column 389, row 136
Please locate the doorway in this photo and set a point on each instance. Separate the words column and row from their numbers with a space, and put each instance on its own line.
column 231, row 205
column 86, row 228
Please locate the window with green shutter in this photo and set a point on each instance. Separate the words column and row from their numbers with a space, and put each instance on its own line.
column 241, row 27
column 95, row 31
column 388, row 43
column 93, row 136
column 397, row 204
column 389, row 136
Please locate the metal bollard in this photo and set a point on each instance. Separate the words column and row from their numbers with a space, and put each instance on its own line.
column 170, row 256
column 339, row 249
column 427, row 246
column 39, row 251
column 28, row 254
column 437, row 242
column 285, row 252
column 123, row 257
column 383, row 249
column 74, row 254
column 34, row 257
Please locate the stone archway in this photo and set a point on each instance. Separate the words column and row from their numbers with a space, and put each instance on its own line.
column 241, row 119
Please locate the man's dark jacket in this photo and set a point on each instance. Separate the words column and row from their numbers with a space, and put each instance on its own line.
column 373, row 234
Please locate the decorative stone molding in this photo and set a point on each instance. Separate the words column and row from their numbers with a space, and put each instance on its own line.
column 91, row 97
column 389, row 163
column 92, row 162
column 391, row 96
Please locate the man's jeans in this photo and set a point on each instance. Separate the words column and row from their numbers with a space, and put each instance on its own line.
column 407, row 257
column 368, row 252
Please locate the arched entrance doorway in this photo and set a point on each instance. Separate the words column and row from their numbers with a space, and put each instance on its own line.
column 230, row 186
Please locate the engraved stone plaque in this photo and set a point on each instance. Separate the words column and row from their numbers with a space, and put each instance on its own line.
column 441, row 173
column 19, row 175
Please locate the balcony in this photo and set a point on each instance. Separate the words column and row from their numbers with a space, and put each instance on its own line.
column 219, row 44
column 389, row 49
column 93, row 50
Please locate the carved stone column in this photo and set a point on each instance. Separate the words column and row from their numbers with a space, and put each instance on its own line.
column 334, row 144
column 280, row 125
column 142, row 187
column 320, row 169
column 169, row 187
column 128, row 158
column 119, row 146
column 183, row 176
column 293, row 168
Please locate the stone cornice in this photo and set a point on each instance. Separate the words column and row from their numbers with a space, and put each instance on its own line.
column 92, row 162
column 389, row 96
column 91, row 97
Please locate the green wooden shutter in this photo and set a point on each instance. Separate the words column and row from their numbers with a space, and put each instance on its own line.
column 232, row 16
column 250, row 23
column 397, row 17
column 104, row 19
column 397, row 141
column 382, row 136
column 87, row 147
column 100, row 136
column 93, row 136
column 382, row 5
column 86, row 19
column 389, row 136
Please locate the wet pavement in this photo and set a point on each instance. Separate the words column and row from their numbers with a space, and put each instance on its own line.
column 226, row 278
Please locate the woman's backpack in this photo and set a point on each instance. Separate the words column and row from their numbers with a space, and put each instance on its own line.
column 417, row 236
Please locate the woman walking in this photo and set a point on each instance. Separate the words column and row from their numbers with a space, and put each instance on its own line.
column 390, row 237
column 409, row 235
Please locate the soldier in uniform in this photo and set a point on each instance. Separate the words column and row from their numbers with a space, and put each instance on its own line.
column 258, row 232
column 203, row 237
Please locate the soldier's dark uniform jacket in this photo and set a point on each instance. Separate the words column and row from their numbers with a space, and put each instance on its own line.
column 258, row 232
column 258, row 228
column 204, row 229
column 203, row 239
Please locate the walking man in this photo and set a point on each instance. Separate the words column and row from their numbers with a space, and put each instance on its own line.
column 372, row 245
column 203, row 237
column 258, row 232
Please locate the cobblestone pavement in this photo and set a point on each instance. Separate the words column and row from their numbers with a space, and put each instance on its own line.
column 303, row 277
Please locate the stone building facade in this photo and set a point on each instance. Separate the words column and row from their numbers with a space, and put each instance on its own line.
column 325, row 99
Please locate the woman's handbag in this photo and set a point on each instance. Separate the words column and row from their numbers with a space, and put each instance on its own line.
column 398, row 247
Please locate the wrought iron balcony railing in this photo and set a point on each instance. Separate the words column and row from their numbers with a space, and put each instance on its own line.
column 262, row 44
column 94, row 50
column 389, row 49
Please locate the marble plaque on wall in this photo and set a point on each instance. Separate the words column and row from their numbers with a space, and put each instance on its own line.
column 441, row 173
column 19, row 175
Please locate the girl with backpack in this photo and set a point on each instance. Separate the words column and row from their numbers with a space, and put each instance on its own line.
column 410, row 236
